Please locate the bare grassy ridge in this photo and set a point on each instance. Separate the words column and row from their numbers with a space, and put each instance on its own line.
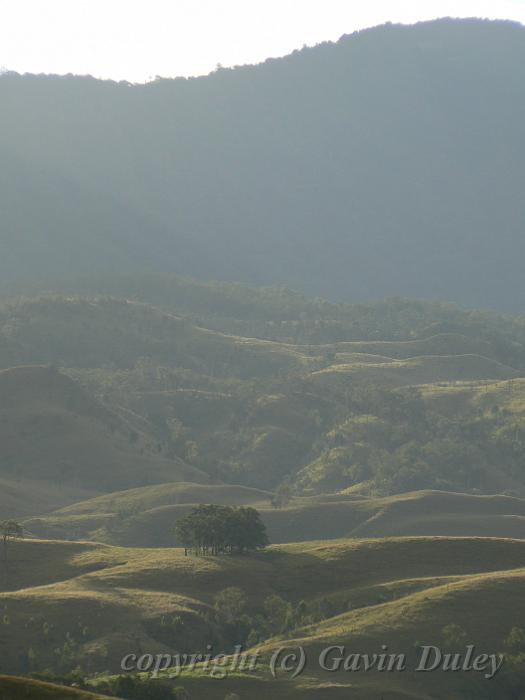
column 24, row 497
column 427, row 369
column 439, row 344
column 52, row 430
column 148, row 497
column 146, row 516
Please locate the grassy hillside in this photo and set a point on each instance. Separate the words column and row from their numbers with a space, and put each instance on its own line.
column 146, row 516
column 108, row 601
column 257, row 412
column 417, row 327
column 112, row 333
column 484, row 606
column 434, row 513
column 147, row 497
column 52, row 431
column 440, row 344
column 22, row 497
column 429, row 369
column 143, row 516
column 381, row 442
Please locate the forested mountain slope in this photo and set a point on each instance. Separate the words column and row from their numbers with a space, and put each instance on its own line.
column 322, row 416
column 389, row 163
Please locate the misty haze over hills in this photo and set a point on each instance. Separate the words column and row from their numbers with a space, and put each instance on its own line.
column 390, row 163
column 190, row 465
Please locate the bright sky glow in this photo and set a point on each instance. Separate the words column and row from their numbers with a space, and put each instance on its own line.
column 138, row 39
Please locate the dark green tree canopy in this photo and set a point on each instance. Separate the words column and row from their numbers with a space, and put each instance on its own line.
column 215, row 529
column 10, row 530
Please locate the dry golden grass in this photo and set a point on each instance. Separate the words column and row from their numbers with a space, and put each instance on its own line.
column 109, row 599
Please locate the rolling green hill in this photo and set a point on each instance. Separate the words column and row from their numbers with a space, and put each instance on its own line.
column 473, row 603
column 381, row 442
column 106, row 601
column 145, row 517
column 257, row 412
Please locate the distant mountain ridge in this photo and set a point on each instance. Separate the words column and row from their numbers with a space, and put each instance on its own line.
column 389, row 163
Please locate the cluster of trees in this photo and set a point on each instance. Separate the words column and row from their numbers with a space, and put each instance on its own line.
column 237, row 624
column 283, row 495
column 10, row 530
column 214, row 529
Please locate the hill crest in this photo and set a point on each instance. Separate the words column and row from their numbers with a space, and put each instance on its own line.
column 351, row 131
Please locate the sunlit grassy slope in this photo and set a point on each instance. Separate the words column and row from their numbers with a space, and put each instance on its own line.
column 393, row 592
column 106, row 601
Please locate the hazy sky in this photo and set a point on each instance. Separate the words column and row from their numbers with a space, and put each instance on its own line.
column 138, row 39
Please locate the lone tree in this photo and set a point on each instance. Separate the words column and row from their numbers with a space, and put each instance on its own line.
column 214, row 529
column 283, row 495
column 9, row 530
